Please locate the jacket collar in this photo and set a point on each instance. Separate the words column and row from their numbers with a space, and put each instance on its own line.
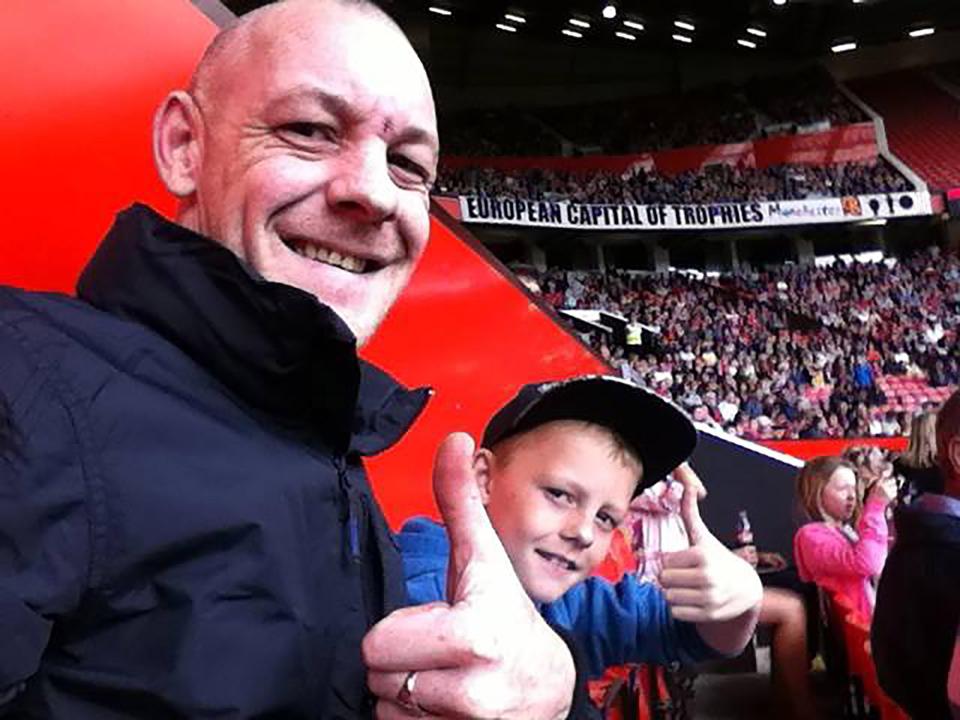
column 275, row 347
column 944, row 504
column 930, row 519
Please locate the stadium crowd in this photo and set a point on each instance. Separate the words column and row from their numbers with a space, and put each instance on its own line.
column 507, row 132
column 648, row 124
column 802, row 99
column 713, row 184
column 782, row 354
column 721, row 114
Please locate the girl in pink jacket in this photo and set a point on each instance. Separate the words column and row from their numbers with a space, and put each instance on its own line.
column 844, row 548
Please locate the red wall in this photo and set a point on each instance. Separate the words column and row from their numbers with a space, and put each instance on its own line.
column 464, row 329
column 80, row 80
column 806, row 449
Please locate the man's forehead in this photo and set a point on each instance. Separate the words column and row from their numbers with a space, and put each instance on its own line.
column 366, row 69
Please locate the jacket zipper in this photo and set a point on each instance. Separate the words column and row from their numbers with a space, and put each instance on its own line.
column 355, row 517
column 353, row 509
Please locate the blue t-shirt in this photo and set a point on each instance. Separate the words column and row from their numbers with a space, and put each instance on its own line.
column 615, row 623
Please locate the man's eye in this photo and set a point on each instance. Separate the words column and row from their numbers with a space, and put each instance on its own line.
column 308, row 131
column 409, row 166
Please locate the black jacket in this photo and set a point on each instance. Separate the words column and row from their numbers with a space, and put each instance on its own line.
column 917, row 480
column 186, row 529
column 918, row 607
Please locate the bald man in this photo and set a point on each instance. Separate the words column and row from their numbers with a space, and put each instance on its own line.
column 917, row 616
column 186, row 529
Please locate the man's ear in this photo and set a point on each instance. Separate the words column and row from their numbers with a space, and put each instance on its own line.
column 483, row 459
column 177, row 128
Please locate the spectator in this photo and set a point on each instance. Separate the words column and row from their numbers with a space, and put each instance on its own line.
column 862, row 374
column 918, row 463
column 728, row 408
column 838, row 551
column 917, row 616
column 890, row 426
column 784, row 611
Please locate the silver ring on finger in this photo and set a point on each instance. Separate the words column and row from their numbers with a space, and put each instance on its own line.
column 405, row 695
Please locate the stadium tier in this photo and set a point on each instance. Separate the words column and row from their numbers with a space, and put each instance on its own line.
column 850, row 350
column 922, row 122
column 718, row 115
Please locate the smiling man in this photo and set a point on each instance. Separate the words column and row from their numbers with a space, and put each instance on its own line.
column 310, row 158
column 186, row 529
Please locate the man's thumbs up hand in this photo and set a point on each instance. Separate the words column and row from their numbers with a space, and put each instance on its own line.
column 475, row 548
column 485, row 654
column 706, row 582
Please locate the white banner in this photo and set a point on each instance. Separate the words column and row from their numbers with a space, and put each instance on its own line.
column 720, row 216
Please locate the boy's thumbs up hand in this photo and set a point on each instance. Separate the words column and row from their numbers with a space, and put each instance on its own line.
column 706, row 582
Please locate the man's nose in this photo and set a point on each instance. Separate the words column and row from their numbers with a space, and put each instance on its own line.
column 361, row 186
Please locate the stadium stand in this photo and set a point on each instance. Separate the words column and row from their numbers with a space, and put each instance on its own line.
column 713, row 184
column 922, row 122
column 715, row 145
column 497, row 132
column 803, row 99
column 715, row 115
column 797, row 352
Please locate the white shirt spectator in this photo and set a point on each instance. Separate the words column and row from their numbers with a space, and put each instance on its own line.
column 891, row 428
column 728, row 410
column 663, row 376
column 933, row 332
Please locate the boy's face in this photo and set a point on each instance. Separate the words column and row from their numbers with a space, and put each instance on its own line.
column 555, row 495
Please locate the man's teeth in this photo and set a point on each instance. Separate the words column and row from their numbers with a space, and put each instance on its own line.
column 330, row 257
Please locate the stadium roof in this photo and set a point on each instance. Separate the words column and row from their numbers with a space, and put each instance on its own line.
column 798, row 28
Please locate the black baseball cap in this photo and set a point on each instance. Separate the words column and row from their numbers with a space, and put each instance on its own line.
column 661, row 434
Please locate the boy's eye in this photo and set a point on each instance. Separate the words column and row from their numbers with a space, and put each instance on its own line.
column 607, row 521
column 559, row 495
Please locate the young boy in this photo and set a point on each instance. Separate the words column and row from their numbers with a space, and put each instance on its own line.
column 557, row 469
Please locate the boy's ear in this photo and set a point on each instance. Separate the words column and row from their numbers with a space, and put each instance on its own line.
column 482, row 460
